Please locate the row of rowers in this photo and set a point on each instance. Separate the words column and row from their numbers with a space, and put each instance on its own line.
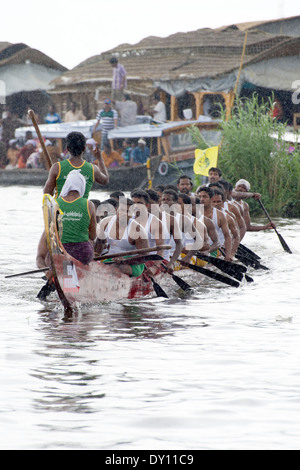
column 212, row 218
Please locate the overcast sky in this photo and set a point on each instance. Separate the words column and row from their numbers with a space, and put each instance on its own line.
column 70, row 32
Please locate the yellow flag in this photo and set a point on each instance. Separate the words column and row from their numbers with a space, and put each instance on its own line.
column 205, row 159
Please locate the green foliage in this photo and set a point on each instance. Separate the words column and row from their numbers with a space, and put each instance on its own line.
column 249, row 151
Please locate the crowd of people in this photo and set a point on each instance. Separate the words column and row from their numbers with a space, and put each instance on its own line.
column 211, row 220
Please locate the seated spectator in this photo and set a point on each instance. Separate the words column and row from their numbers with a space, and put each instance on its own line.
column 29, row 147
column 74, row 114
column 54, row 154
column 140, row 153
column 52, row 117
column 126, row 154
column 33, row 161
column 89, row 150
column 111, row 157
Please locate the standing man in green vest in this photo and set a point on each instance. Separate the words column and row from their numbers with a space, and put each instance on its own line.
column 108, row 118
column 58, row 173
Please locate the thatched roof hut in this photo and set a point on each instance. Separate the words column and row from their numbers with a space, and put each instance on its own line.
column 25, row 76
column 192, row 63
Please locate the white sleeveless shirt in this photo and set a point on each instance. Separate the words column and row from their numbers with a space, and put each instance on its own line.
column 219, row 231
column 114, row 245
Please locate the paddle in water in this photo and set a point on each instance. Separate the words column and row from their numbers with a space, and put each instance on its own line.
column 280, row 237
column 211, row 274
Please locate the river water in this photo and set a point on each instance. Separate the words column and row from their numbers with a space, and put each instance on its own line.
column 217, row 369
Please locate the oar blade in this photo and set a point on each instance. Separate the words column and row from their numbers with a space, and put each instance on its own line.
column 182, row 284
column 213, row 275
column 284, row 244
column 158, row 289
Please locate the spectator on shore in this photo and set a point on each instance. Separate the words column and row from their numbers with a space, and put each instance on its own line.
column 74, row 114
column 91, row 145
column 140, row 153
column 119, row 81
column 54, row 154
column 12, row 154
column 159, row 111
column 9, row 124
column 108, row 118
column 25, row 152
column 111, row 157
column 52, row 117
column 127, row 149
column 128, row 111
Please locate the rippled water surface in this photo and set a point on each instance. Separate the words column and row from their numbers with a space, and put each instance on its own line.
column 218, row 369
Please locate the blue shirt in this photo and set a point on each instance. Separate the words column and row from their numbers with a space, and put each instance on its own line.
column 139, row 155
column 52, row 118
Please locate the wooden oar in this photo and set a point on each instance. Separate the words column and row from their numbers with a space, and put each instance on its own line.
column 133, row 252
column 181, row 283
column 247, row 250
column 135, row 260
column 40, row 137
column 222, row 263
column 232, row 272
column 245, row 259
column 211, row 274
column 158, row 289
column 280, row 237
column 28, row 272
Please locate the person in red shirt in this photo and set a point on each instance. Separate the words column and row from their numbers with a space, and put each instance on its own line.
column 29, row 147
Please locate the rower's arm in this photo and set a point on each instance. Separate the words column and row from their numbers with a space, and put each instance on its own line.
column 157, row 232
column 240, row 221
column 235, row 236
column 212, row 233
column 175, row 232
column 225, row 229
column 245, row 195
column 101, row 173
column 51, row 181
column 93, row 221
column 138, row 236
column 200, row 226
column 255, row 228
column 101, row 241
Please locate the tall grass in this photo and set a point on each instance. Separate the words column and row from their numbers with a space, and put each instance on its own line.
column 248, row 151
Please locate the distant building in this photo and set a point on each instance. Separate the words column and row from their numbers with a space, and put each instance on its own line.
column 186, row 67
column 25, row 75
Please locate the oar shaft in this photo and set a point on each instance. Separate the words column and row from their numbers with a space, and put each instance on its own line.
column 280, row 237
column 40, row 137
column 28, row 272
column 134, row 252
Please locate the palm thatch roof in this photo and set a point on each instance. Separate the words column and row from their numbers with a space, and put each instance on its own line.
column 12, row 54
column 202, row 53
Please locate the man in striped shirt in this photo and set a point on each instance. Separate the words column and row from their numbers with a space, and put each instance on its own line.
column 119, row 82
column 108, row 118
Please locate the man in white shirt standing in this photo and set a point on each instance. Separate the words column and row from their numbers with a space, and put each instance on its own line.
column 159, row 111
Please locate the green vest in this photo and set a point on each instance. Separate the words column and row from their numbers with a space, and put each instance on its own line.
column 86, row 169
column 75, row 220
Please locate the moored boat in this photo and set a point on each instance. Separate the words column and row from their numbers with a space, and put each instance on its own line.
column 171, row 151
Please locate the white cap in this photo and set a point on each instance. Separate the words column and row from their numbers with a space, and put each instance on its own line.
column 243, row 183
column 141, row 141
column 75, row 182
